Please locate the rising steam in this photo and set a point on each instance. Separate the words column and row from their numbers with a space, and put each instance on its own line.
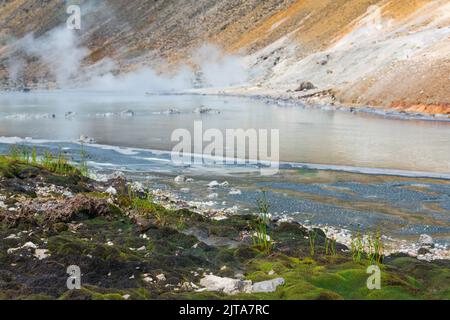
column 63, row 55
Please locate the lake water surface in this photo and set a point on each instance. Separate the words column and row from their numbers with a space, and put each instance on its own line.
column 306, row 135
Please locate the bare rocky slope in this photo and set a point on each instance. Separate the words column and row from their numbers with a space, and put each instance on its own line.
column 378, row 52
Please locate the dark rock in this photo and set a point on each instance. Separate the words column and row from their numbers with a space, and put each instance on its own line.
column 143, row 224
column 320, row 233
column 119, row 183
column 423, row 251
column 30, row 172
column 305, row 86
column 60, row 227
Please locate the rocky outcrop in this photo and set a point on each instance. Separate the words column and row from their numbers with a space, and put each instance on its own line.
column 41, row 212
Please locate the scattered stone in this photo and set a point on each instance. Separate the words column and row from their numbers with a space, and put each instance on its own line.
column 234, row 192
column 170, row 111
column 180, row 179
column 41, row 254
column 12, row 236
column 86, row 139
column 161, row 277
column 143, row 223
column 28, row 245
column 137, row 187
column 267, row 286
column 426, row 241
column 70, row 115
column 213, row 184
column 226, row 285
column 111, row 191
column 423, row 251
column 205, row 110
column 127, row 113
column 305, row 86
column 186, row 286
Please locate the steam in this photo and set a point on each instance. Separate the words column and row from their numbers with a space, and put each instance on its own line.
column 219, row 69
column 15, row 66
column 142, row 80
column 61, row 52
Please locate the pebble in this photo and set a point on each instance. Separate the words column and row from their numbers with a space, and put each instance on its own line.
column 111, row 191
column 161, row 277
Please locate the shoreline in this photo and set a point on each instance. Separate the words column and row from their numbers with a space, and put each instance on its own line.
column 314, row 99
column 393, row 246
column 284, row 165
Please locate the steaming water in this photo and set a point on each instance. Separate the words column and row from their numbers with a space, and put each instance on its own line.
column 309, row 136
column 129, row 129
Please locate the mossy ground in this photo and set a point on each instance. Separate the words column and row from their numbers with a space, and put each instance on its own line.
column 117, row 256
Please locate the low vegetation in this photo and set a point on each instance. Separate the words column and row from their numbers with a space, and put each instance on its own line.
column 125, row 242
column 56, row 163
column 262, row 239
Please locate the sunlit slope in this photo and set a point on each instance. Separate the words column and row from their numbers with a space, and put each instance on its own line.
column 384, row 53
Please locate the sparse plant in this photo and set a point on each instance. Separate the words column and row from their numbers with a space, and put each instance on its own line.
column 34, row 156
column 262, row 239
column 21, row 153
column 57, row 164
column 83, row 167
column 312, row 236
column 333, row 247
column 375, row 248
column 357, row 246
column 370, row 245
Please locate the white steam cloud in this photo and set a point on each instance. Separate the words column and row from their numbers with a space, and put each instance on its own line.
column 62, row 54
column 59, row 50
column 218, row 69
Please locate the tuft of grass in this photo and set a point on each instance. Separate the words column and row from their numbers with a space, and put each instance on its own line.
column 357, row 246
column 34, row 156
column 262, row 239
column 56, row 163
column 312, row 236
column 370, row 246
column 83, row 166
column 20, row 153
column 375, row 248
column 333, row 247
